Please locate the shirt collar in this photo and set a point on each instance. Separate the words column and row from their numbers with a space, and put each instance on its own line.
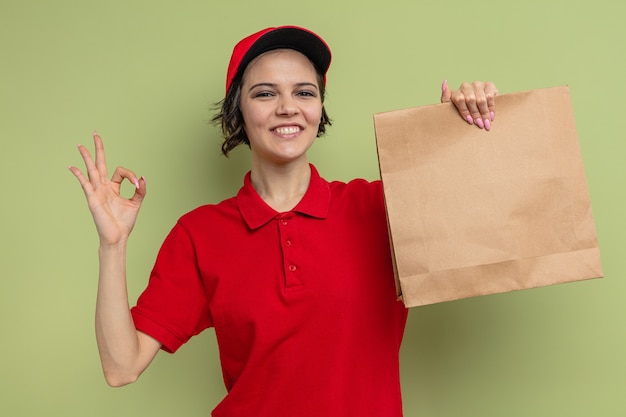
column 256, row 212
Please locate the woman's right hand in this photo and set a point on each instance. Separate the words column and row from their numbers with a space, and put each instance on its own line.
column 113, row 214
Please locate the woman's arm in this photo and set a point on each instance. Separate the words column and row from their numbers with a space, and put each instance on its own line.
column 124, row 352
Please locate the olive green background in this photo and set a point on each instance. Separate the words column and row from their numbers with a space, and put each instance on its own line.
column 145, row 74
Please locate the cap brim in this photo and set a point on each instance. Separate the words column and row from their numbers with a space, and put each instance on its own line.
column 295, row 38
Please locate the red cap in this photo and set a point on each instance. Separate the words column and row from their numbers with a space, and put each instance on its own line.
column 288, row 37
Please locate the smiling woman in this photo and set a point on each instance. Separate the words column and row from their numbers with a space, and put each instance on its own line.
column 248, row 49
column 281, row 107
column 307, row 321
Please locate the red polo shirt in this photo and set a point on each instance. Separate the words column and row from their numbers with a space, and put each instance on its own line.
column 303, row 303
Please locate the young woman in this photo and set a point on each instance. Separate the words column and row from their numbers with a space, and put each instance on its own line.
column 294, row 272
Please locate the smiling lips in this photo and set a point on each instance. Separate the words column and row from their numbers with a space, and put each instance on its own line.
column 287, row 130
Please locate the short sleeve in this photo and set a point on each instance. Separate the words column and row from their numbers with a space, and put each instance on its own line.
column 174, row 306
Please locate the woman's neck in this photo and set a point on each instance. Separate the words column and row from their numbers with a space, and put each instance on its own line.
column 281, row 186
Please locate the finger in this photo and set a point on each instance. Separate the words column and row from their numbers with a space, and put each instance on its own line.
column 482, row 106
column 101, row 164
column 140, row 191
column 490, row 93
column 469, row 95
column 485, row 101
column 122, row 173
column 445, row 92
column 460, row 101
column 90, row 166
column 84, row 182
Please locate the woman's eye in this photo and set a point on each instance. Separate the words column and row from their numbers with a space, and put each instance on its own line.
column 263, row 94
column 306, row 93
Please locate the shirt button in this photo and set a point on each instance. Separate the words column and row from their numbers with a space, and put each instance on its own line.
column 288, row 243
column 283, row 222
column 292, row 268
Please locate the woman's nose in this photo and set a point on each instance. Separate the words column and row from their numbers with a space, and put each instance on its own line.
column 286, row 107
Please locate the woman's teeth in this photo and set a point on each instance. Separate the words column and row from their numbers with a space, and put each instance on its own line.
column 287, row 130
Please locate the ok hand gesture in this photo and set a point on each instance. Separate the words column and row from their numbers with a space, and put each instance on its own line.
column 113, row 214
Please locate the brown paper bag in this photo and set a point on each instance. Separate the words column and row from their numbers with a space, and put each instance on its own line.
column 472, row 212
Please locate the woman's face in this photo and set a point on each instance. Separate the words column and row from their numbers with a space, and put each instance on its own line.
column 281, row 106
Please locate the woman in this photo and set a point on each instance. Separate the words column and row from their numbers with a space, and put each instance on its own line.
column 308, row 323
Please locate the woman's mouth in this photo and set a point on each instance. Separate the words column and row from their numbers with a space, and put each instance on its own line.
column 287, row 130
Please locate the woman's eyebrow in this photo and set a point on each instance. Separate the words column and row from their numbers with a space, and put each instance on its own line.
column 273, row 85
column 307, row 84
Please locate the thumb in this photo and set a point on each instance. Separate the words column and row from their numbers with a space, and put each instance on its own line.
column 140, row 190
column 446, row 94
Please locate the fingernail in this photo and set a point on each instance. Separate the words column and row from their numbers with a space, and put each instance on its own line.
column 479, row 123
column 95, row 133
column 487, row 124
column 143, row 178
column 493, row 116
column 136, row 182
column 444, row 86
column 469, row 119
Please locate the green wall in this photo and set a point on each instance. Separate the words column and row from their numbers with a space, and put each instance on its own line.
column 145, row 75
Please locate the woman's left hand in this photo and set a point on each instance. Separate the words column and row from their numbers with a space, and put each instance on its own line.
column 476, row 102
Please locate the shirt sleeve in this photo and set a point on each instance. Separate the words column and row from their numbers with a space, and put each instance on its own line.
column 174, row 306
